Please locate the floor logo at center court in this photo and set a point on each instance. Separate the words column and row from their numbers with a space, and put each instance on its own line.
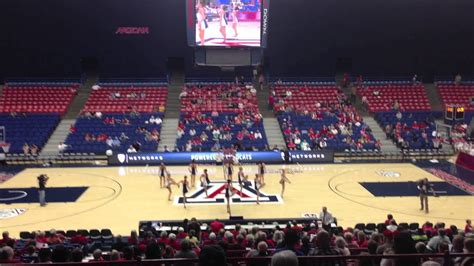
column 385, row 173
column 216, row 192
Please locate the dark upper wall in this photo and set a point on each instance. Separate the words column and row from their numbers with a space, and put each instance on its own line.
column 381, row 37
column 49, row 37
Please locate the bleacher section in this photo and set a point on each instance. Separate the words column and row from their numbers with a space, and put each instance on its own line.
column 317, row 117
column 119, row 99
column 461, row 95
column 31, row 111
column 33, row 129
column 40, row 99
column 382, row 97
column 113, row 110
column 220, row 113
column 416, row 128
column 96, row 134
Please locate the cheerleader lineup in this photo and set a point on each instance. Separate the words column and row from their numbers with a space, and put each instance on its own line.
column 258, row 182
column 222, row 11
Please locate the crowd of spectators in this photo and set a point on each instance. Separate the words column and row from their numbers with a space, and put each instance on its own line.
column 220, row 116
column 195, row 240
column 201, row 131
column 411, row 130
column 327, row 122
column 218, row 98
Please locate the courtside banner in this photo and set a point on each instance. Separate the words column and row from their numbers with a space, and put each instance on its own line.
column 325, row 156
column 155, row 158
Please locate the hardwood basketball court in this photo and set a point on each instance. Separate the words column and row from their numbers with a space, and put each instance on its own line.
column 119, row 197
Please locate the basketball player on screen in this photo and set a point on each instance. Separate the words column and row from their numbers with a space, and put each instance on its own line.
column 223, row 22
column 201, row 20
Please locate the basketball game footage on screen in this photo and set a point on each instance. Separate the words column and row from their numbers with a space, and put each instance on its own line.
column 228, row 22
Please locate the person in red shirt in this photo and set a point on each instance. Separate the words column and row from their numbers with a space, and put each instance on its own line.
column 362, row 240
column 133, row 239
column 389, row 219
column 216, row 226
column 468, row 227
column 79, row 239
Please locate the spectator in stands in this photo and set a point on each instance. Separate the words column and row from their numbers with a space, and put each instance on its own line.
column 291, row 240
column 403, row 243
column 97, row 255
column 260, row 251
column 342, row 246
column 458, row 79
column 186, row 251
column 44, row 255
column 284, row 258
column 26, row 149
column 60, row 254
column 77, row 255
column 468, row 248
column 118, row 244
column 216, row 226
column 388, row 242
column 34, row 150
column 114, row 255
column 153, row 251
column 324, row 248
column 435, row 241
column 7, row 255
column 6, row 240
column 72, row 129
column 212, row 255
column 468, row 227
column 62, row 147
column 362, row 239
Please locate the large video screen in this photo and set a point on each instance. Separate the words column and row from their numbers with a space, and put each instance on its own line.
column 226, row 23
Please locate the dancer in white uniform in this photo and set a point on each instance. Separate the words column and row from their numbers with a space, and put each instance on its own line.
column 168, row 182
column 205, row 181
column 283, row 180
column 223, row 22
column 235, row 20
column 201, row 21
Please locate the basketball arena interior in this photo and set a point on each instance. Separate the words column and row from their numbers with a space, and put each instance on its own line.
column 237, row 132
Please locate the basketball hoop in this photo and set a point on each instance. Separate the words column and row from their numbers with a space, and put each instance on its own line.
column 5, row 146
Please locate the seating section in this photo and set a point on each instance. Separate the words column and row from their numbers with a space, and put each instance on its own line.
column 33, row 129
column 386, row 97
column 116, row 132
column 119, row 99
column 220, row 116
column 319, row 117
column 462, row 95
column 117, row 117
column 40, row 99
column 414, row 128
column 220, row 98
column 303, row 98
column 135, row 249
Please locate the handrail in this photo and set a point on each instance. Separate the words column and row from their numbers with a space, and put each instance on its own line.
column 446, row 256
